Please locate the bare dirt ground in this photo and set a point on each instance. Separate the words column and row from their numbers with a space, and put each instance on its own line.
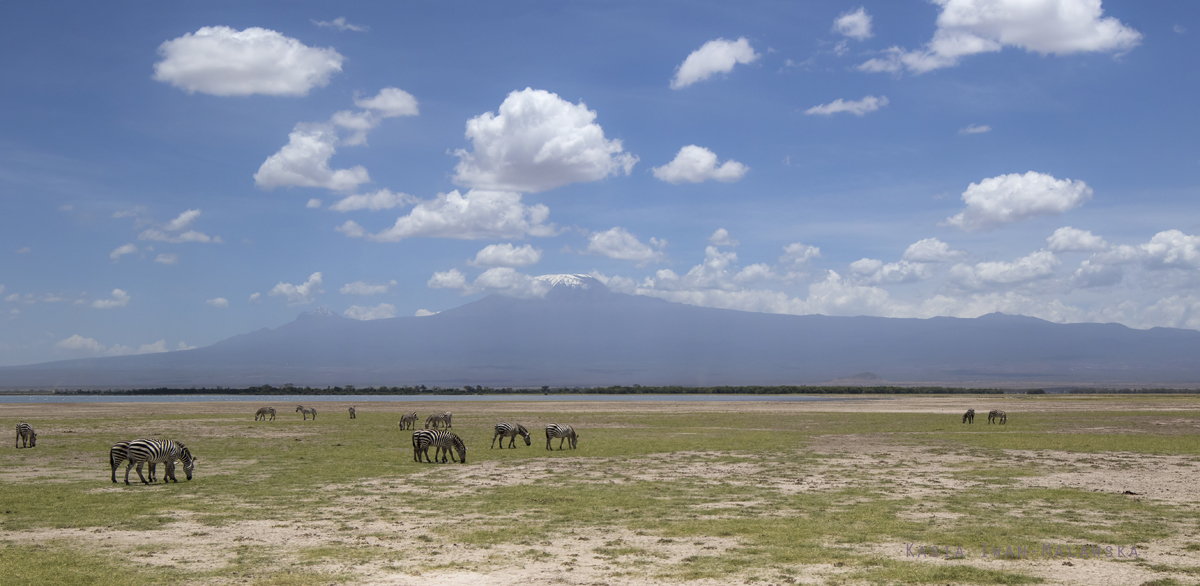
column 416, row 554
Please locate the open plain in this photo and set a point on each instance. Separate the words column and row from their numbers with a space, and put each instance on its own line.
column 1087, row 490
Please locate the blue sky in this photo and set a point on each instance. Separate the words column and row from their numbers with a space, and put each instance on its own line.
column 174, row 175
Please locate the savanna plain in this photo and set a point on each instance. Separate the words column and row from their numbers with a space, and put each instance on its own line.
column 876, row 490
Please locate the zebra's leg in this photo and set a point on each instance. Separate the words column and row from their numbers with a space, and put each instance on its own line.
column 139, row 471
column 127, row 467
column 560, row 442
column 169, row 475
column 494, row 436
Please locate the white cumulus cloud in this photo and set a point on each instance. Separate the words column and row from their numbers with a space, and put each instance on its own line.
column 875, row 271
column 301, row 294
column 855, row 24
column 304, row 162
column 78, row 342
column 618, row 243
column 340, row 24
column 167, row 258
column 313, row 203
column 451, row 279
column 797, row 254
column 364, row 288
column 721, row 237
column 381, row 311
column 506, row 255
column 222, row 61
column 1048, row 27
column 174, row 231
column 471, row 216
column 538, row 141
column 119, row 299
column 1038, row 265
column 218, row 302
column 859, row 108
column 1001, row 200
column 719, row 56
column 694, row 164
column 930, row 250
column 1068, row 239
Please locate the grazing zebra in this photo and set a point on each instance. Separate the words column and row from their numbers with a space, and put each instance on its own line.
column 351, row 413
column 262, row 414
column 566, row 432
column 997, row 416
column 306, row 411
column 408, row 421
column 117, row 454
column 508, row 430
column 25, row 435
column 442, row 440
column 435, row 419
column 153, row 451
column 969, row 416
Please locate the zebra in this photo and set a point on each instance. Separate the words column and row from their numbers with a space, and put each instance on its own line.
column 508, row 430
column 442, row 440
column 566, row 432
column 997, row 416
column 26, row 437
column 435, row 419
column 166, row 451
column 261, row 414
column 119, row 453
column 969, row 416
column 351, row 413
column 408, row 421
column 306, row 411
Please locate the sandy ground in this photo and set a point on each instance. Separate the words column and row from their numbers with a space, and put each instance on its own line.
column 420, row 555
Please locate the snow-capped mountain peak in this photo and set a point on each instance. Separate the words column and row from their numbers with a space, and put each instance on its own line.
column 571, row 281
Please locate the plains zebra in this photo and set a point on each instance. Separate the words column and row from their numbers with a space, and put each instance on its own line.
column 969, row 416
column 566, row 432
column 436, row 418
column 442, row 440
column 351, row 413
column 26, row 437
column 261, row 414
column 117, row 454
column 997, row 416
column 306, row 411
column 408, row 421
column 159, row 451
column 508, row 430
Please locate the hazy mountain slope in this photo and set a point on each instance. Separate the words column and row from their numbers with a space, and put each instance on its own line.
column 585, row 335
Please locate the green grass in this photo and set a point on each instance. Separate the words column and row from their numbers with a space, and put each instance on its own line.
column 638, row 474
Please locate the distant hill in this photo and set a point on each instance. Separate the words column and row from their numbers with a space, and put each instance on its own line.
column 582, row 334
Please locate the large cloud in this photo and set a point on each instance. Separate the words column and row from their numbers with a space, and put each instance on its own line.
column 694, row 164
column 985, row 275
column 221, row 61
column 618, row 243
column 304, row 162
column 968, row 27
column 477, row 214
column 538, row 141
column 1000, row 200
column 719, row 56
column 855, row 24
column 301, row 294
column 1068, row 239
column 379, row 200
column 503, row 280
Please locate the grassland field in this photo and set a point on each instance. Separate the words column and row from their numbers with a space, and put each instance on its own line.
column 880, row 490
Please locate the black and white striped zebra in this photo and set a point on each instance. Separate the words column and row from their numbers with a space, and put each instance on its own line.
column 408, row 420
column 969, row 416
column 565, row 432
column 439, row 418
column 262, row 413
column 117, row 454
column 351, row 413
column 997, row 416
column 306, row 411
column 151, row 451
column 442, row 440
column 26, row 437
column 508, row 430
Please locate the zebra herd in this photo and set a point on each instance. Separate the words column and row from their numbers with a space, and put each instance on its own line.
column 151, row 452
column 994, row 416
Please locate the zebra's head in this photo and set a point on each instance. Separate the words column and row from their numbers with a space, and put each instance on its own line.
column 299, row 408
column 32, row 439
column 461, row 448
column 189, row 461
column 524, row 433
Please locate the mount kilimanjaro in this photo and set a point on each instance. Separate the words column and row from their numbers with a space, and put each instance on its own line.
column 582, row 334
